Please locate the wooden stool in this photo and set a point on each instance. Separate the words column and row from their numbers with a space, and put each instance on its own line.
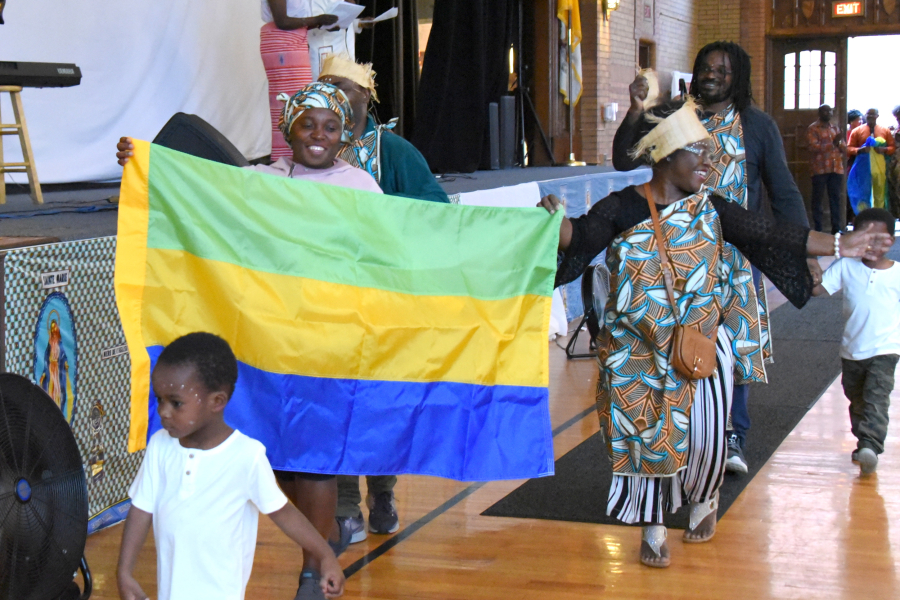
column 20, row 129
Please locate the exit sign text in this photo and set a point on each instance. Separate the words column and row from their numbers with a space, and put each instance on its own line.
column 848, row 9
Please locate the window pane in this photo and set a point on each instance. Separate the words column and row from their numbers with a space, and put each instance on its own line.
column 830, row 72
column 815, row 87
column 789, row 83
column 804, row 58
column 830, row 59
column 815, row 58
column 790, row 59
column 788, row 102
column 829, row 87
column 803, row 91
column 829, row 99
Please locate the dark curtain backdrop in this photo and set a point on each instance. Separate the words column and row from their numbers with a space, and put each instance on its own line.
column 466, row 67
column 393, row 49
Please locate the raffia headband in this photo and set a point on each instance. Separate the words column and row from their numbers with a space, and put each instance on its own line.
column 680, row 129
column 340, row 65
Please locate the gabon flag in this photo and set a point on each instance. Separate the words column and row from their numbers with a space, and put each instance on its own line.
column 374, row 334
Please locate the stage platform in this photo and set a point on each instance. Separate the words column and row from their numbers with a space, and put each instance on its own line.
column 78, row 211
column 73, row 211
column 456, row 183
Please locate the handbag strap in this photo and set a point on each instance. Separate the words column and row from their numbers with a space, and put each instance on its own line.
column 668, row 274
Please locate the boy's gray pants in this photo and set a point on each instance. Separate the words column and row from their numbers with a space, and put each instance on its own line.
column 868, row 384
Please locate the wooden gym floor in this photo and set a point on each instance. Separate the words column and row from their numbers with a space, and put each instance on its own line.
column 808, row 526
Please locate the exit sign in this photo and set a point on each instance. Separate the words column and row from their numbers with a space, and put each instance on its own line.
column 848, row 9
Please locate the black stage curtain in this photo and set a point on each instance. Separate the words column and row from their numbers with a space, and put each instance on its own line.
column 393, row 49
column 466, row 67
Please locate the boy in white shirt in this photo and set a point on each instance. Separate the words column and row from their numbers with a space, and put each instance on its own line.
column 871, row 341
column 203, row 484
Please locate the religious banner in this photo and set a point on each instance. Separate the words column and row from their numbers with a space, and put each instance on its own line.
column 374, row 334
column 570, row 57
column 60, row 329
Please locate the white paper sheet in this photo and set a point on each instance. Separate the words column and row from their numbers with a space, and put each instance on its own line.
column 346, row 13
column 388, row 14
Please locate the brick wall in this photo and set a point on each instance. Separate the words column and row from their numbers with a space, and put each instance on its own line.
column 753, row 40
column 718, row 20
column 610, row 60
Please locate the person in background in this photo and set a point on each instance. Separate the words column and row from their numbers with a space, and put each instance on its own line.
column 854, row 120
column 893, row 169
column 857, row 146
column 285, row 55
column 400, row 170
column 325, row 41
column 868, row 129
column 826, row 148
column 748, row 155
column 397, row 166
column 316, row 123
column 870, row 346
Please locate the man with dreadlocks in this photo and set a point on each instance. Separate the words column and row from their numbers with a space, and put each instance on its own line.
column 748, row 150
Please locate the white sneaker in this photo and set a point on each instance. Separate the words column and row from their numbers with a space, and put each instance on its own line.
column 868, row 460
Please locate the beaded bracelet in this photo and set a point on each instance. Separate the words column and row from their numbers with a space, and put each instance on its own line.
column 837, row 245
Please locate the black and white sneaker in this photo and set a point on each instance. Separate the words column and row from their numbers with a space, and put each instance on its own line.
column 383, row 517
column 735, row 461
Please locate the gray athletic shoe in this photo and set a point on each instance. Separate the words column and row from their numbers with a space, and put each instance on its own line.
column 342, row 542
column 309, row 586
column 868, row 460
column 382, row 513
column 355, row 528
column 735, row 461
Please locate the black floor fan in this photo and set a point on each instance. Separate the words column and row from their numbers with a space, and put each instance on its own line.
column 43, row 498
column 594, row 292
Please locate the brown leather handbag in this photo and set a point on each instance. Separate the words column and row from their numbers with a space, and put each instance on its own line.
column 692, row 354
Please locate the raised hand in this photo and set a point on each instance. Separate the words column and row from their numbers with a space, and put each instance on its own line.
column 638, row 91
column 865, row 244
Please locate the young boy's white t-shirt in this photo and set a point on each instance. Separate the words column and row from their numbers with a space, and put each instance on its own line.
column 205, row 506
column 871, row 307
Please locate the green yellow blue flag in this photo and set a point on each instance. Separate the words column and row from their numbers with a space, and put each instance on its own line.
column 867, row 182
column 374, row 334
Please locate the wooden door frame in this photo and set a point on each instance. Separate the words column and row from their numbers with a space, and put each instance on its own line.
column 795, row 152
column 551, row 110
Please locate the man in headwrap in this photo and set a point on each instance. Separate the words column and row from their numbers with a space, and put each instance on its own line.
column 748, row 151
column 400, row 170
column 397, row 166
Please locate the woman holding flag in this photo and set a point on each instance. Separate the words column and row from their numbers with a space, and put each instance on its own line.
column 665, row 422
column 869, row 144
column 316, row 123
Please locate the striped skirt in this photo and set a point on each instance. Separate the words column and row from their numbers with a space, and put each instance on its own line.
column 641, row 499
column 285, row 57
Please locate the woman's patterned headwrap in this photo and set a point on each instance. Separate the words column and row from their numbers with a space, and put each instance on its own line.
column 315, row 95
